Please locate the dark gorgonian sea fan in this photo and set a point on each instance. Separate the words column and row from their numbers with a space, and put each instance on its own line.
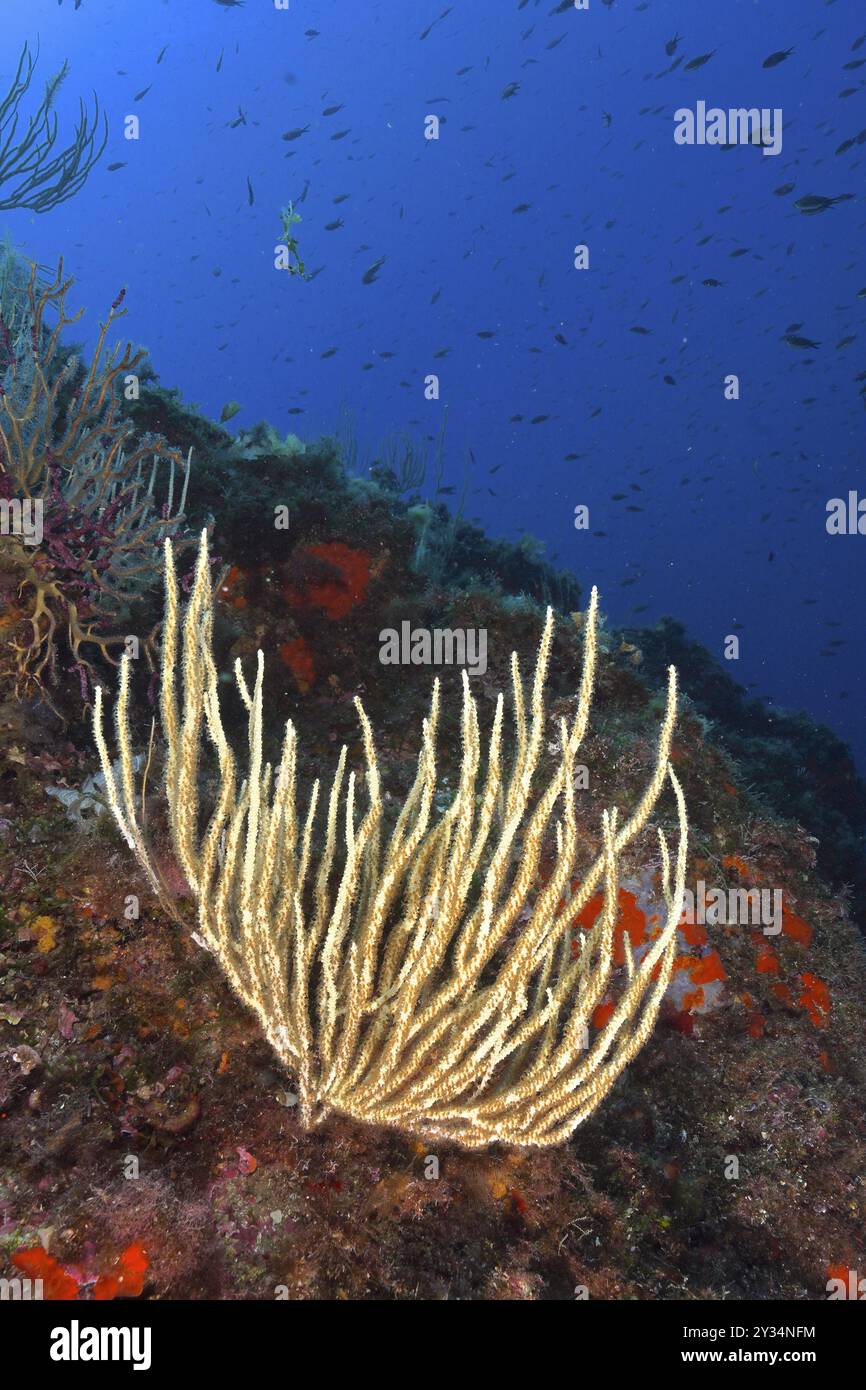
column 36, row 171
column 82, row 528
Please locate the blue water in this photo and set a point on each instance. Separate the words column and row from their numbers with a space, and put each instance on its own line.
column 730, row 536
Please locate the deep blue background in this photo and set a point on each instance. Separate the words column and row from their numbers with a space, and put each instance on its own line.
column 759, row 472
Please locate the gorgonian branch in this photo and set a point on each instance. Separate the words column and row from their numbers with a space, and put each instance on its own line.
column 36, row 173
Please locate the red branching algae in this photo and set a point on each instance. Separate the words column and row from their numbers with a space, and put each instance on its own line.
column 127, row 1280
column 57, row 1284
column 299, row 659
column 815, row 999
column 341, row 589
